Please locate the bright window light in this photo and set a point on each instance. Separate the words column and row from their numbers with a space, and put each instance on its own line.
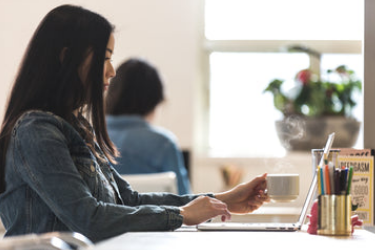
column 242, row 118
column 238, row 124
column 284, row 19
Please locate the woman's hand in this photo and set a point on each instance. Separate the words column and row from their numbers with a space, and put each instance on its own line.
column 202, row 209
column 246, row 197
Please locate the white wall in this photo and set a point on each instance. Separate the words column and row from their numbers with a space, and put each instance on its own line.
column 162, row 31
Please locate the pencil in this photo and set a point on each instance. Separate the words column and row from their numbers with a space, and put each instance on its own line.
column 331, row 169
column 337, row 180
column 327, row 183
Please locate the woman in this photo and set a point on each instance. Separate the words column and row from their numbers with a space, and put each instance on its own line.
column 56, row 156
column 132, row 99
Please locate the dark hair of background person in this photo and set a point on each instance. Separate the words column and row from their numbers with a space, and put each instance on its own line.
column 48, row 77
column 135, row 90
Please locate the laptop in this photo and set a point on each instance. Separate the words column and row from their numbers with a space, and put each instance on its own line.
column 272, row 226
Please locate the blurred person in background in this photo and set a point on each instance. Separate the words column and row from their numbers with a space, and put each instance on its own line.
column 132, row 100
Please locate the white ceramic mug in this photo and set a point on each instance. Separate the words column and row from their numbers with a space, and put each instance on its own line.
column 283, row 187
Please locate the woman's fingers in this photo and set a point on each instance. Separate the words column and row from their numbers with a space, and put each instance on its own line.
column 221, row 208
column 262, row 182
column 226, row 217
column 257, row 200
column 202, row 209
column 263, row 196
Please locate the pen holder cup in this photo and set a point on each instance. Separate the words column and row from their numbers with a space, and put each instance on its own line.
column 334, row 215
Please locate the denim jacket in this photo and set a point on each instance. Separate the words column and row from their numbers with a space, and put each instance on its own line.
column 146, row 149
column 55, row 183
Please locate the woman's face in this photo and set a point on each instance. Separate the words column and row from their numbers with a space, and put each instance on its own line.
column 109, row 70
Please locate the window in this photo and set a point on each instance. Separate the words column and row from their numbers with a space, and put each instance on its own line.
column 246, row 43
column 284, row 19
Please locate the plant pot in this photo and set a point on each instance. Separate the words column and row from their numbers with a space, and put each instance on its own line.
column 304, row 134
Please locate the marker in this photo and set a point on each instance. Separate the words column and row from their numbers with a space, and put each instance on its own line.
column 343, row 178
column 349, row 180
column 321, row 180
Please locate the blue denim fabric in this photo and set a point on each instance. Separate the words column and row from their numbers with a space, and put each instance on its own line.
column 55, row 183
column 146, row 149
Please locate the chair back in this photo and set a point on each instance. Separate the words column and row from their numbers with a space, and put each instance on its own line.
column 155, row 182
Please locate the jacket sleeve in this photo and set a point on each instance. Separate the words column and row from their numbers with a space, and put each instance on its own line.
column 134, row 198
column 55, row 178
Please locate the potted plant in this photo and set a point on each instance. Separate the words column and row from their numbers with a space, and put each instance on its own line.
column 314, row 107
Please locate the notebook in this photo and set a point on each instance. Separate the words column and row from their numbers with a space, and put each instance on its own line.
column 271, row 226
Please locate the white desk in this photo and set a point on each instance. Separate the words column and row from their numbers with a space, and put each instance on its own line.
column 191, row 239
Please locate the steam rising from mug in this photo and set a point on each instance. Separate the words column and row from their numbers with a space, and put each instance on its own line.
column 295, row 129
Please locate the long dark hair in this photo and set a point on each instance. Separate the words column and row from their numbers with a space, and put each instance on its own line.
column 135, row 90
column 48, row 77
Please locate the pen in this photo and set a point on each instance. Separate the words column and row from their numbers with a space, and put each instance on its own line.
column 349, row 180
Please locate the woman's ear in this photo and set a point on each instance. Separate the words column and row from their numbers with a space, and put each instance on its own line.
column 62, row 54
